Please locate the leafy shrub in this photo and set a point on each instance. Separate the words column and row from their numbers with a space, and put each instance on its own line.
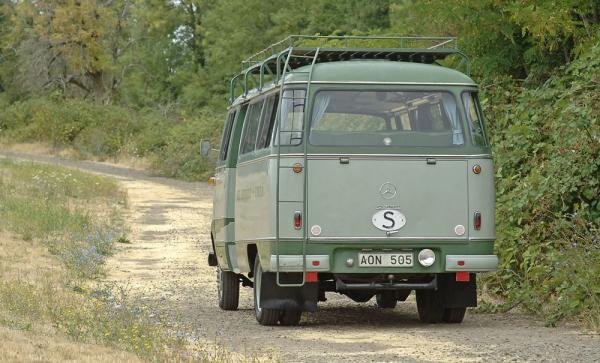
column 180, row 155
column 107, row 131
column 547, row 153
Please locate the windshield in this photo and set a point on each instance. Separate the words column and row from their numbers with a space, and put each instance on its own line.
column 390, row 118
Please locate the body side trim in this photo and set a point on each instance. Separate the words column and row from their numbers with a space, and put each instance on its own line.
column 368, row 157
column 387, row 83
column 390, row 239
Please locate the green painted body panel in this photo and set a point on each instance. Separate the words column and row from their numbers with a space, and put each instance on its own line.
column 255, row 197
column 342, row 198
column 222, row 228
column 381, row 72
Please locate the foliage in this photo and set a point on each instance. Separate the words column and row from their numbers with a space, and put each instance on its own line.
column 547, row 153
column 523, row 39
column 102, row 131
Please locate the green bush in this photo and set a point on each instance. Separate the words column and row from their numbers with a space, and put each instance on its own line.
column 108, row 131
column 547, row 153
column 180, row 154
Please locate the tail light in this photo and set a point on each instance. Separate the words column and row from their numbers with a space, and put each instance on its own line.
column 297, row 219
column 463, row 276
column 477, row 221
column 312, row 277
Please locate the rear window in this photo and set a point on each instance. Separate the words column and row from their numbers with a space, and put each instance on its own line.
column 391, row 118
column 292, row 117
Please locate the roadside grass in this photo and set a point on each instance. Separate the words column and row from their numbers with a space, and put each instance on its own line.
column 57, row 226
column 76, row 215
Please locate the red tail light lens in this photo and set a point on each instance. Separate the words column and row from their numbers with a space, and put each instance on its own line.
column 297, row 219
column 312, row 277
column 463, row 276
column 477, row 221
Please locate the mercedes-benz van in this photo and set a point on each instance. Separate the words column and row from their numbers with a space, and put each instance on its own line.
column 361, row 171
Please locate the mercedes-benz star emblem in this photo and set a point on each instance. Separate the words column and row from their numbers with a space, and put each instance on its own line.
column 388, row 190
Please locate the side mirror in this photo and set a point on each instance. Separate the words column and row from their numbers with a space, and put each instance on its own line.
column 205, row 148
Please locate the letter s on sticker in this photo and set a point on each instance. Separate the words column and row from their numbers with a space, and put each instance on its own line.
column 386, row 215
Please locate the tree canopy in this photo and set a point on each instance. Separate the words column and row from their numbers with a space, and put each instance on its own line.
column 162, row 53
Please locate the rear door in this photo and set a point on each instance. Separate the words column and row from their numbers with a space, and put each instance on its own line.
column 387, row 194
column 345, row 193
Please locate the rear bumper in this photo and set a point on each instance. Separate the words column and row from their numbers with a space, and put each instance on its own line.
column 321, row 263
column 386, row 286
column 294, row 263
column 471, row 263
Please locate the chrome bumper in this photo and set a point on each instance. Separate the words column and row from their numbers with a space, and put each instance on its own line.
column 471, row 263
column 294, row 263
column 320, row 263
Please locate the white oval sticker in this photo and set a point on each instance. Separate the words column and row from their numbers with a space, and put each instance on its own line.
column 389, row 220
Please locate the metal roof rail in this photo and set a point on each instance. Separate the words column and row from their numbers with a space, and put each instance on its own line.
column 269, row 61
column 352, row 41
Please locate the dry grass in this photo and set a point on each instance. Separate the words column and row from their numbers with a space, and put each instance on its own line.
column 57, row 227
column 27, row 269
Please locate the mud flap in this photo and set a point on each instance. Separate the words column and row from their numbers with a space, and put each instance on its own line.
column 457, row 294
column 302, row 298
column 212, row 259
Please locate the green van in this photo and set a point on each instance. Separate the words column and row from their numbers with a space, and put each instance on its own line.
column 361, row 170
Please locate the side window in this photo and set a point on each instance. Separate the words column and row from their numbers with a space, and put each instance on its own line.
column 474, row 118
column 292, row 116
column 267, row 122
column 226, row 136
column 251, row 124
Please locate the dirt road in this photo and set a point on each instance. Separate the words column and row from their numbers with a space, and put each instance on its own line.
column 165, row 268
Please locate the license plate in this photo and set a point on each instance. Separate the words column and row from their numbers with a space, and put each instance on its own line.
column 385, row 259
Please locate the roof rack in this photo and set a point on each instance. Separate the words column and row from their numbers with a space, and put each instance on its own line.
column 271, row 61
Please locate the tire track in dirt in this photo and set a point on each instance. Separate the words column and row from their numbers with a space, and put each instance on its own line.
column 165, row 268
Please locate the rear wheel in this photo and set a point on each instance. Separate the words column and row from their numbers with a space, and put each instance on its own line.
column 430, row 306
column 454, row 315
column 229, row 289
column 290, row 317
column 386, row 299
column 263, row 316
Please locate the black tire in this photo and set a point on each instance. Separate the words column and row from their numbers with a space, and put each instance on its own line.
column 290, row 317
column 430, row 306
column 386, row 299
column 263, row 316
column 229, row 289
column 454, row 315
